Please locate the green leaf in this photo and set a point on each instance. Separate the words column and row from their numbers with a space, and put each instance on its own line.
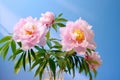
column 80, row 64
column 10, row 57
column 89, row 50
column 5, row 52
column 18, row 64
column 34, row 64
column 49, row 44
column 72, row 65
column 92, row 61
column 29, row 58
column 54, row 27
column 86, row 67
column 61, row 62
column 90, row 76
column 68, row 65
column 13, row 46
column 33, row 54
column 4, row 49
column 24, row 60
column 20, row 44
column 41, row 51
column 57, row 45
column 52, row 67
column 4, row 39
column 71, row 61
column 18, row 51
column 59, row 20
column 60, row 15
column 60, row 54
column 37, row 62
column 42, row 70
column 76, row 60
column 37, row 71
column 48, row 35
column 95, row 73
column 0, row 49
column 60, row 24
column 54, row 39
column 73, row 71
column 80, row 68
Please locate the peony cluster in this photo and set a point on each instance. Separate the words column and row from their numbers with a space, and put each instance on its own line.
column 93, row 60
column 47, row 19
column 31, row 31
column 77, row 36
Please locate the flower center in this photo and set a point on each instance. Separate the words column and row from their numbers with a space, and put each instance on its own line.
column 30, row 31
column 79, row 35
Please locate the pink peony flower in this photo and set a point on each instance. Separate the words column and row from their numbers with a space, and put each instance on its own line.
column 93, row 60
column 29, row 33
column 47, row 19
column 78, row 36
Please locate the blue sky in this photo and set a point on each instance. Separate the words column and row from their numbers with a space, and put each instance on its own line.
column 103, row 15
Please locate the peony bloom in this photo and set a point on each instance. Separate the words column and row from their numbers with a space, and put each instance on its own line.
column 29, row 33
column 47, row 19
column 78, row 36
column 93, row 60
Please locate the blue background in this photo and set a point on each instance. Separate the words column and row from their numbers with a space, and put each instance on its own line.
column 103, row 15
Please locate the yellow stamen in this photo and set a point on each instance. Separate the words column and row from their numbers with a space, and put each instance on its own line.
column 33, row 27
column 79, row 35
column 29, row 32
